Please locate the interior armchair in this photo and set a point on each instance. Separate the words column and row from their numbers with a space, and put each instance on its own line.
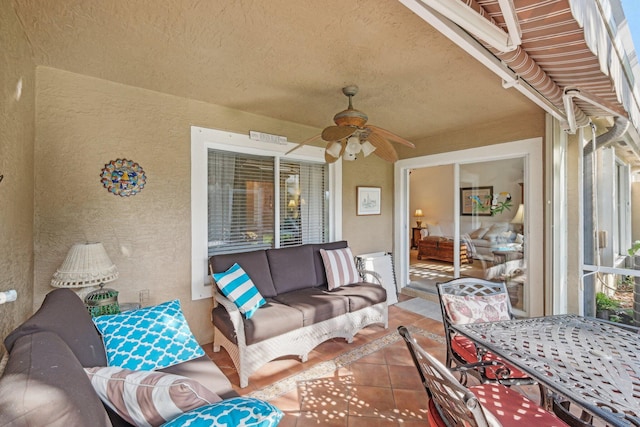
column 471, row 300
column 453, row 404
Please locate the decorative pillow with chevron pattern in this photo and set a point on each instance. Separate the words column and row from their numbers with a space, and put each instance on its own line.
column 149, row 338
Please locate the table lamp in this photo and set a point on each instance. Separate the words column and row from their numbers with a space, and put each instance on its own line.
column 518, row 218
column 418, row 214
column 87, row 264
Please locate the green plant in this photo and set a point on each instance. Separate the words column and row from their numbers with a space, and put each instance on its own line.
column 634, row 248
column 603, row 302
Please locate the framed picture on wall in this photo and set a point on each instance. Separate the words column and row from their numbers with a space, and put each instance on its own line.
column 368, row 199
column 476, row 200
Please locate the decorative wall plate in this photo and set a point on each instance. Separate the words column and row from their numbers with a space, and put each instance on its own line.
column 123, row 177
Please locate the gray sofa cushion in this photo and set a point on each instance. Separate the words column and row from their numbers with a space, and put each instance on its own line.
column 321, row 275
column 270, row 320
column 292, row 268
column 72, row 323
column 361, row 295
column 315, row 304
column 44, row 385
column 254, row 263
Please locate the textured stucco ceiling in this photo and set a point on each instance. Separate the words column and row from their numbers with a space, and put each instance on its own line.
column 279, row 58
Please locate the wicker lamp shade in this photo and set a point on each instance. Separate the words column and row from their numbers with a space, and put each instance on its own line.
column 87, row 264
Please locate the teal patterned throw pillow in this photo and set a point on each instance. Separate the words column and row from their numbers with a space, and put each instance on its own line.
column 236, row 285
column 238, row 411
column 148, row 338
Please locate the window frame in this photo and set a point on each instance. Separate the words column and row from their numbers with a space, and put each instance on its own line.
column 203, row 139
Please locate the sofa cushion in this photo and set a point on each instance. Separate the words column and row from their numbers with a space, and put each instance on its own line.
column 340, row 267
column 72, row 324
column 206, row 372
column 321, row 275
column 292, row 268
column 148, row 338
column 315, row 304
column 256, row 265
column 240, row 411
column 273, row 319
column 236, row 285
column 148, row 398
column 45, row 385
column 361, row 295
column 495, row 230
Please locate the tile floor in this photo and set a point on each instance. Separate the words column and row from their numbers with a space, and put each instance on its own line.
column 380, row 389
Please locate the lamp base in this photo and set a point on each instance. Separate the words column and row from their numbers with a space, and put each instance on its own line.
column 419, row 224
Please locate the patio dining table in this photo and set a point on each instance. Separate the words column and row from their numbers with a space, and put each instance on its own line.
column 593, row 363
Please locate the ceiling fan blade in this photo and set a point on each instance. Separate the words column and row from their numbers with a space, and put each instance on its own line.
column 384, row 149
column 336, row 133
column 391, row 136
column 329, row 158
column 307, row 141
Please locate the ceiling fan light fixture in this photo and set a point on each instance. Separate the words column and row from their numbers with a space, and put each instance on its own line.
column 367, row 148
column 334, row 149
column 349, row 156
column 353, row 145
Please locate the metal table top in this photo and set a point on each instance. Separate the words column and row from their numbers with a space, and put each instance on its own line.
column 591, row 362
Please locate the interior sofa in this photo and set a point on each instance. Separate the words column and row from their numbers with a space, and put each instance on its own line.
column 44, row 382
column 481, row 240
column 300, row 311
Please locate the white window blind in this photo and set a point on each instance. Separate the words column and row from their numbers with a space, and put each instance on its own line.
column 304, row 208
column 240, row 202
column 241, row 208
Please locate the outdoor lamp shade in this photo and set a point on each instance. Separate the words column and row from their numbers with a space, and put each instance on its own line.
column 87, row 264
column 334, row 149
column 353, row 145
column 367, row 148
column 518, row 218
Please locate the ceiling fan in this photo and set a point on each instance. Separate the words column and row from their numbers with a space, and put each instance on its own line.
column 352, row 136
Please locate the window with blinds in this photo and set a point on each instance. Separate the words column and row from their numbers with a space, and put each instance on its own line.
column 303, row 203
column 241, row 202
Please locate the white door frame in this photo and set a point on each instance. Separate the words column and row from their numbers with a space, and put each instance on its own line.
column 532, row 153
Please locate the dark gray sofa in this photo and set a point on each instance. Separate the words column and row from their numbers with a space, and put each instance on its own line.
column 44, row 383
column 300, row 312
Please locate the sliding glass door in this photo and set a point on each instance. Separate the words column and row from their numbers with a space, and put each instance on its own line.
column 475, row 211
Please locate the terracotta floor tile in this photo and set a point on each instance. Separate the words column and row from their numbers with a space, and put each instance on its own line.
column 289, row 420
column 411, row 404
column 288, row 402
column 376, row 358
column 398, row 354
column 413, row 423
column 375, row 375
column 307, row 419
column 371, row 401
column 330, row 395
column 357, row 421
column 405, row 377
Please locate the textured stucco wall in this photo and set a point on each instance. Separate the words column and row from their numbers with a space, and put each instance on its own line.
column 83, row 123
column 508, row 129
column 16, row 164
column 369, row 233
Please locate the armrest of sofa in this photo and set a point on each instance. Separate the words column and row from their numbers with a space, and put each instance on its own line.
column 234, row 314
column 363, row 273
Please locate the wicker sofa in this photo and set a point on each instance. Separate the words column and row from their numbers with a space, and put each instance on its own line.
column 300, row 312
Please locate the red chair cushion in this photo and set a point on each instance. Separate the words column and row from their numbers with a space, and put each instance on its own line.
column 466, row 349
column 512, row 408
column 433, row 416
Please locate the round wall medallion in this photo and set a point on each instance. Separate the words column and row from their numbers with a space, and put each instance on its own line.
column 123, row 177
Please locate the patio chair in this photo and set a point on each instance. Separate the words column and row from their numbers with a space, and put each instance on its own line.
column 471, row 300
column 453, row 404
